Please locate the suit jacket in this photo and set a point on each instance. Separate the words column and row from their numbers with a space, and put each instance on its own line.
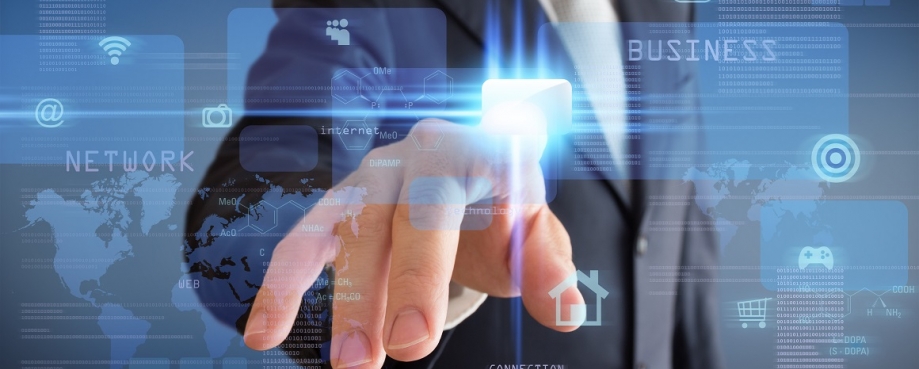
column 662, row 308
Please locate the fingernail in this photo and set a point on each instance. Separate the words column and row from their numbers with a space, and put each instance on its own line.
column 256, row 327
column 408, row 329
column 355, row 350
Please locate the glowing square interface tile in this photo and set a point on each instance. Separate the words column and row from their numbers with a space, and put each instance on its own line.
column 551, row 96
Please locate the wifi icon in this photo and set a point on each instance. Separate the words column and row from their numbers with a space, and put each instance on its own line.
column 114, row 46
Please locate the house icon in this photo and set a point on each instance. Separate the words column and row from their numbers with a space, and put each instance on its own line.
column 578, row 311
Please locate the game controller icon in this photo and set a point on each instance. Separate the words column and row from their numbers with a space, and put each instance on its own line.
column 815, row 255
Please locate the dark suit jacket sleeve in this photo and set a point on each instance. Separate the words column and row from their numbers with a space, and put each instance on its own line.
column 230, row 268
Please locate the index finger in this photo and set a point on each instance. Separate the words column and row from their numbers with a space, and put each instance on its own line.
column 425, row 239
column 426, row 231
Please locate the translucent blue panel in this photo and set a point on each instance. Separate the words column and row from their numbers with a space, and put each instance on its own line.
column 276, row 148
column 846, row 245
column 704, row 93
column 439, row 203
column 84, row 96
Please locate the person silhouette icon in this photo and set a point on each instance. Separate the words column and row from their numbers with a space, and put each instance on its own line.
column 335, row 30
column 344, row 37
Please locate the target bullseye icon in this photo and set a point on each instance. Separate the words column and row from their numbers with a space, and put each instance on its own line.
column 836, row 158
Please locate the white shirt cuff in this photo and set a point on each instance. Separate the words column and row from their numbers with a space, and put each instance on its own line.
column 463, row 302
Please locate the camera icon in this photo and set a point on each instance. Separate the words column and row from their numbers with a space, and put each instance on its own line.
column 219, row 117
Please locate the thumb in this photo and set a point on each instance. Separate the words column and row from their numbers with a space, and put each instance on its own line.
column 542, row 263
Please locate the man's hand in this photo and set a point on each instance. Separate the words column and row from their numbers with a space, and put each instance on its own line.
column 404, row 244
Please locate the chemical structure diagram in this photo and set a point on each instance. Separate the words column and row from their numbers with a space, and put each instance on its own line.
column 262, row 217
column 878, row 303
column 359, row 93
column 266, row 215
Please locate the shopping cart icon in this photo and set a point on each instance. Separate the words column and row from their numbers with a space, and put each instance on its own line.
column 753, row 311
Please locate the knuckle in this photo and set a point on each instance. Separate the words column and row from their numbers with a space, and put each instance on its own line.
column 367, row 181
column 419, row 278
column 374, row 222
